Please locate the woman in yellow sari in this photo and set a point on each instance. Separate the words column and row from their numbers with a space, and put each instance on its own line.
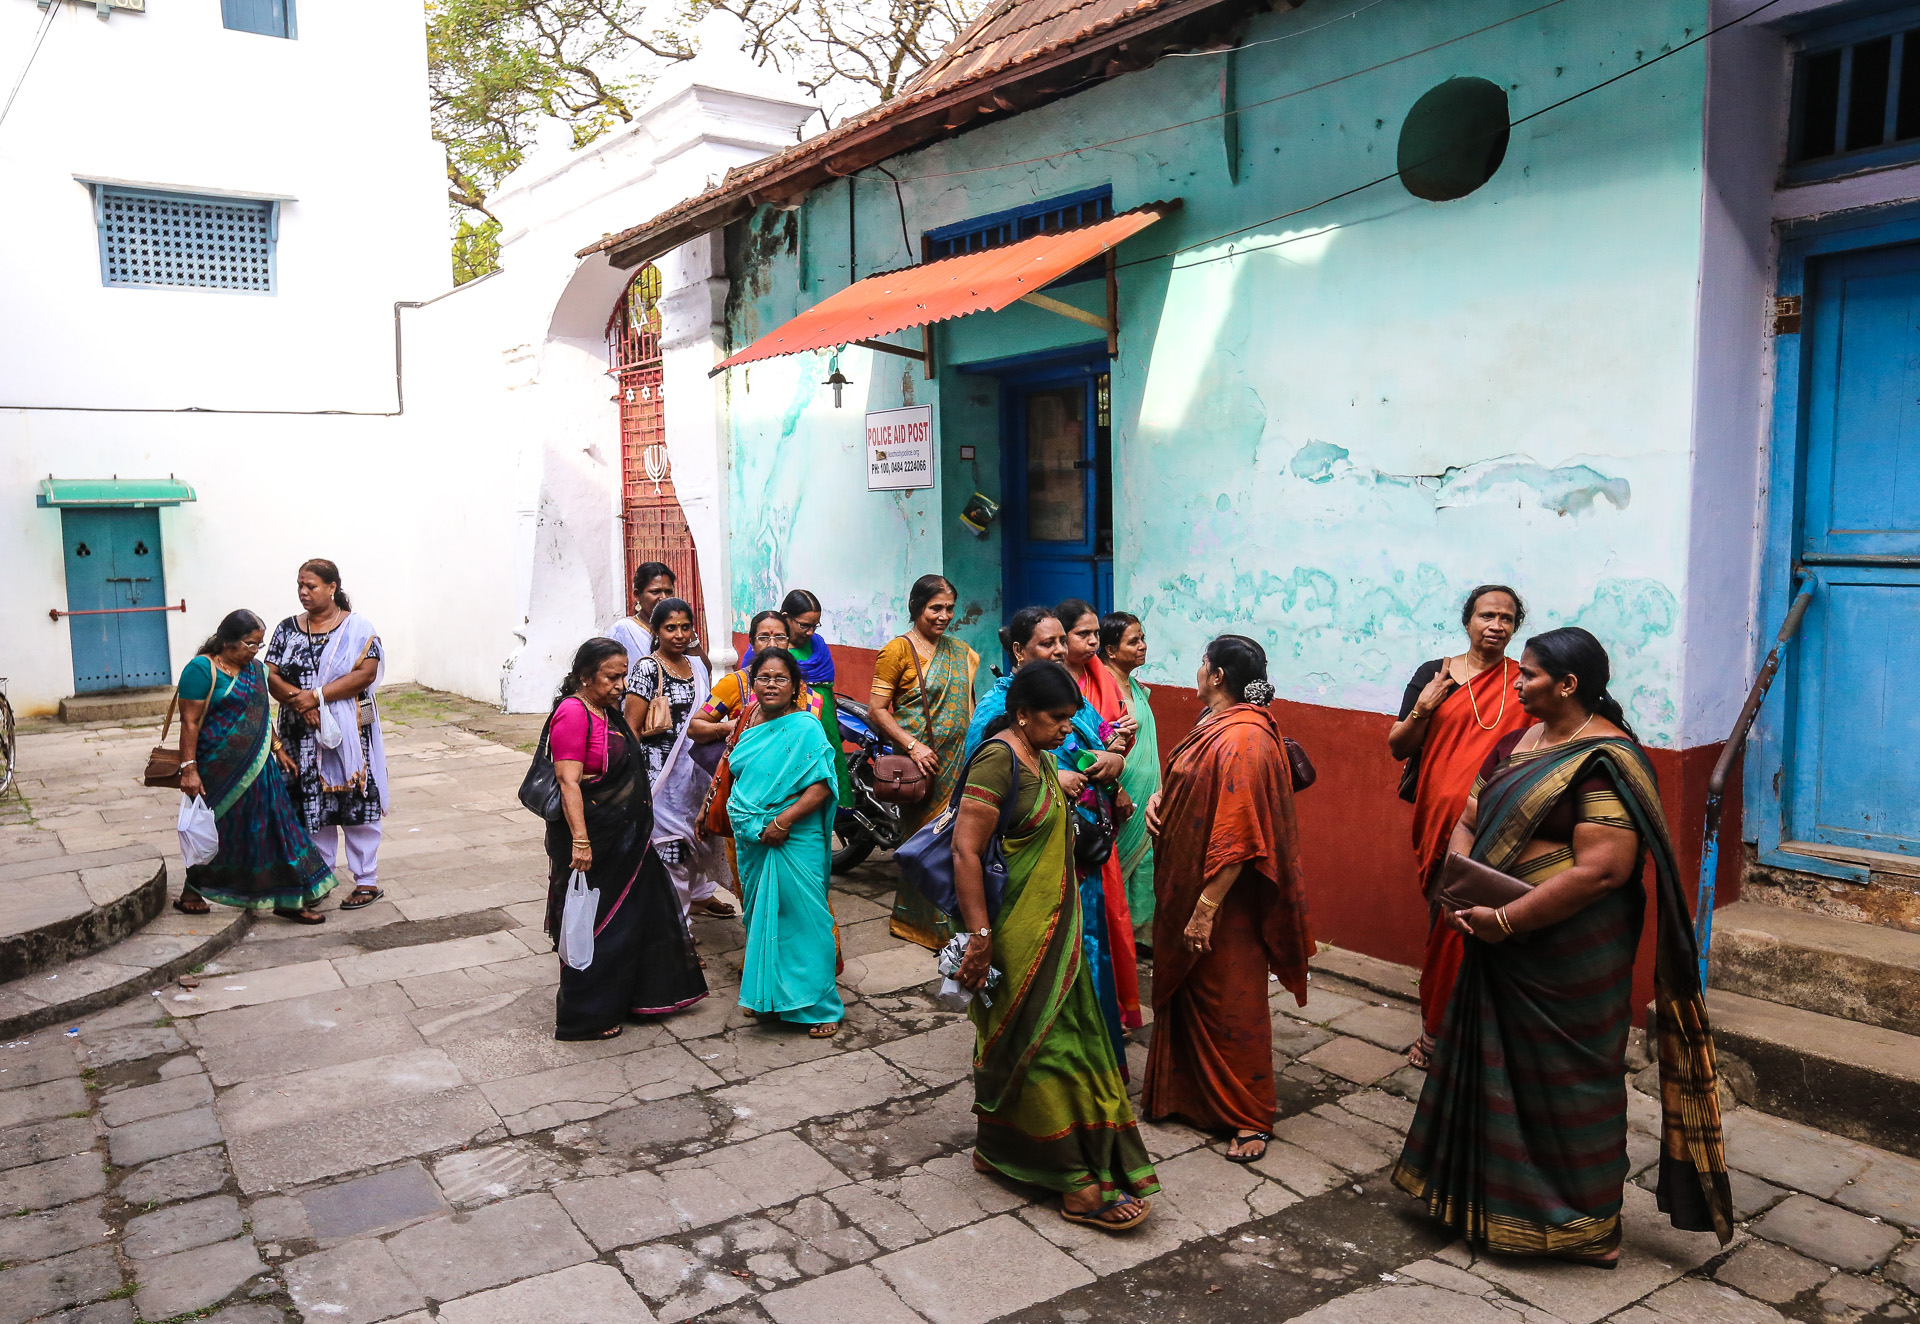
column 922, row 702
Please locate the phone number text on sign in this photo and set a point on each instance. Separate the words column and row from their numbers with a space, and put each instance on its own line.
column 900, row 448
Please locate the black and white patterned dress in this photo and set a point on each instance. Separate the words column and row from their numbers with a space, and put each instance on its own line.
column 644, row 681
column 295, row 653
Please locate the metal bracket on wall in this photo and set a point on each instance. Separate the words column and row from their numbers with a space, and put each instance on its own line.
column 1110, row 323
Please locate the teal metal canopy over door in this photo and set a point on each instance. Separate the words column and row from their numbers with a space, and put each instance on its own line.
column 113, row 562
column 1856, row 720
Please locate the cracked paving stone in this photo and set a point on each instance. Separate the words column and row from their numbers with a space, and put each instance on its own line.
column 157, row 1137
column 179, row 1177
column 169, row 1096
column 1835, row 1236
column 43, row 1102
column 73, row 1279
column 1004, row 1264
column 182, row 1227
column 582, row 1294
column 1772, row 1273
column 857, row 1294
column 453, row 1257
column 42, row 1142
column 193, row 1279
column 44, row 1185
column 473, row 1177
column 357, row 1283
column 42, row 1236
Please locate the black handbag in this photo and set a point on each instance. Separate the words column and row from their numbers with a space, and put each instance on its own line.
column 1093, row 833
column 540, row 788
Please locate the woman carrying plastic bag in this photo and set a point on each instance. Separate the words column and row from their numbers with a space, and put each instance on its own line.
column 231, row 767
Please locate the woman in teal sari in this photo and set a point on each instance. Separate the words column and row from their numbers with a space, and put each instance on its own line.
column 1520, row 1141
column 230, row 757
column 781, row 808
column 1051, row 1102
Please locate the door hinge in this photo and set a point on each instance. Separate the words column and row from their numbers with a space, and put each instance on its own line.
column 1786, row 315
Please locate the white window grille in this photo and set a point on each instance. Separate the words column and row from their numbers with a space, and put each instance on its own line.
column 185, row 240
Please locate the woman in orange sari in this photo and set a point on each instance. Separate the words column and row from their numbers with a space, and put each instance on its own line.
column 1455, row 710
column 1229, row 907
column 1102, row 692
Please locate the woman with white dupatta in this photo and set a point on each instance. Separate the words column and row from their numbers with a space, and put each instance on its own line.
column 323, row 667
column 664, row 689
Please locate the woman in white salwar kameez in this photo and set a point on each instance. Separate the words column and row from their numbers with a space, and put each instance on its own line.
column 330, row 656
column 653, row 584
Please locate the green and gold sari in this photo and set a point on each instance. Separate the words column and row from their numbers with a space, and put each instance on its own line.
column 940, row 722
column 1051, row 1103
column 1519, row 1144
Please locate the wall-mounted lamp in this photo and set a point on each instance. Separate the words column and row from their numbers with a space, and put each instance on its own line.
column 834, row 378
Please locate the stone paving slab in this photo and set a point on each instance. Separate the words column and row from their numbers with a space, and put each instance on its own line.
column 978, row 1273
column 378, row 1202
column 453, row 1257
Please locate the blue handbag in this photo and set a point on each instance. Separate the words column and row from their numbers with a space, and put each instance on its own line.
column 926, row 858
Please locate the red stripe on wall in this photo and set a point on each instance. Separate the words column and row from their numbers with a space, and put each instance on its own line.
column 1356, row 833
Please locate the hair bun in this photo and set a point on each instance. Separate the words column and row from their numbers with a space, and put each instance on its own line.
column 1258, row 692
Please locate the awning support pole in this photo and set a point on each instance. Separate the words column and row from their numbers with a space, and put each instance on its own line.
column 1064, row 309
column 918, row 356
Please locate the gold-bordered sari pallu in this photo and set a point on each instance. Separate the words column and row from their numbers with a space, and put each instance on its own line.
column 1519, row 1143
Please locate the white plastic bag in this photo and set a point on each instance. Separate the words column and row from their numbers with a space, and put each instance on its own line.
column 329, row 729
column 199, row 834
column 576, row 922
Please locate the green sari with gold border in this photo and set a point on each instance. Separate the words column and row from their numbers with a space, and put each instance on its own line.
column 1519, row 1143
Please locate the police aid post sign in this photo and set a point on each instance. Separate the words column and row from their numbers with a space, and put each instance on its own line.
column 900, row 448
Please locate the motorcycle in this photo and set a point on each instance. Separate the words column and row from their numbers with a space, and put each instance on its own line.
column 868, row 824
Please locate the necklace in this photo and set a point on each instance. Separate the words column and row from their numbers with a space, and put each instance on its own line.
column 1475, row 703
column 1570, row 739
column 666, row 667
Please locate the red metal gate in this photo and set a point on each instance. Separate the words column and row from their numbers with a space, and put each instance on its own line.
column 656, row 527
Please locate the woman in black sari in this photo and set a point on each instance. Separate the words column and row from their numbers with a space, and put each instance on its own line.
column 643, row 958
column 1520, row 1142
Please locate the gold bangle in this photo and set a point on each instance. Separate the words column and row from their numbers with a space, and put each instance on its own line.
column 1210, row 905
column 1506, row 925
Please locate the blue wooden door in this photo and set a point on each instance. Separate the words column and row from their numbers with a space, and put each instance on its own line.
column 1855, row 780
column 113, row 562
column 1059, row 531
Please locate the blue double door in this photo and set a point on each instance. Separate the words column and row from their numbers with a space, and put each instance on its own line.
column 1057, row 444
column 113, row 563
column 1855, row 778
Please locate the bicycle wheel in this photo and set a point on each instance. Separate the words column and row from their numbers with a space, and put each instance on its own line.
column 6, row 744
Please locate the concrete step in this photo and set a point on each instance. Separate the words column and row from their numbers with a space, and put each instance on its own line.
column 1860, row 1081
column 60, row 907
column 115, row 705
column 164, row 948
column 1866, row 973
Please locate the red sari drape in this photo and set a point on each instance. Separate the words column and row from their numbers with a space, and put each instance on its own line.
column 1228, row 799
column 1458, row 742
column 1099, row 687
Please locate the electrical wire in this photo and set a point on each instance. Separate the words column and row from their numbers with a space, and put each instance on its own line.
column 1271, row 41
column 1373, row 183
column 46, row 24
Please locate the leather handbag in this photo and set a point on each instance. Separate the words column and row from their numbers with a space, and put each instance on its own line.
column 926, row 858
column 163, row 761
column 1299, row 766
column 1465, row 883
column 897, row 779
column 540, row 788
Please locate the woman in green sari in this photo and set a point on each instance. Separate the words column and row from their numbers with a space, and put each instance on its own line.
column 1520, row 1141
column 810, row 650
column 230, row 757
column 781, row 808
column 1051, row 1103
column 922, row 702
column 1123, row 647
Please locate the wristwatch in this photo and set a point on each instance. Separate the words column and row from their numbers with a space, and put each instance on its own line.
column 983, row 933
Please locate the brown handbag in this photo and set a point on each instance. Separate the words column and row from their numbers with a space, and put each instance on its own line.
column 1465, row 883
column 163, row 762
column 897, row 779
column 1299, row 766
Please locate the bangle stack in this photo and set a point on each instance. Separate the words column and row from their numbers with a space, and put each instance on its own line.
column 1500, row 918
column 1209, row 903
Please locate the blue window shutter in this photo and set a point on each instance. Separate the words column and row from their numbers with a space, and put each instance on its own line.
column 150, row 238
column 269, row 18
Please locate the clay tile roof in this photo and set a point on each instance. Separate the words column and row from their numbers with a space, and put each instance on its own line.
column 1016, row 54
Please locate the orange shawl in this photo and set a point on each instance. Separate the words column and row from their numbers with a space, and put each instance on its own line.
column 1457, row 745
column 1228, row 799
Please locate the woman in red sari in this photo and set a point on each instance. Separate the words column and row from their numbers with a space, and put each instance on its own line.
column 1102, row 690
column 1455, row 710
column 1230, row 907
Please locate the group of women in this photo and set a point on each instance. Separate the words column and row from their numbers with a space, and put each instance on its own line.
column 1079, row 852
column 278, row 791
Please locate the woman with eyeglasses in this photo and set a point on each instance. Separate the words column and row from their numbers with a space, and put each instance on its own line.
column 732, row 695
column 231, row 757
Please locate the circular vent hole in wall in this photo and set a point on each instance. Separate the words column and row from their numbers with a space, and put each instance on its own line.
column 1453, row 139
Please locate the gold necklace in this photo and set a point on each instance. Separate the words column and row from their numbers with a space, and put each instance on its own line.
column 1570, row 739
column 1475, row 704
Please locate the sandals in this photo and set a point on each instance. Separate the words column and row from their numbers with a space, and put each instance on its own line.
column 824, row 1030
column 1420, row 1056
column 1264, row 1137
column 300, row 916
column 1095, row 1219
column 362, row 896
column 180, row 903
column 715, row 907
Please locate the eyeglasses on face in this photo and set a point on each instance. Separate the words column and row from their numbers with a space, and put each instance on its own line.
column 765, row 638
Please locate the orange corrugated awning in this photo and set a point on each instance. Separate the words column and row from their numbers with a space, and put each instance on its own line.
column 952, row 287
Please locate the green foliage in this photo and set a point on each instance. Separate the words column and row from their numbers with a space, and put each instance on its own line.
column 476, row 248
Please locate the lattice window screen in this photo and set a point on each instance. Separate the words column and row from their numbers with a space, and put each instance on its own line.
column 181, row 240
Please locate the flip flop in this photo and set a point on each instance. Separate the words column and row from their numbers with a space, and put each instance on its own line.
column 715, row 907
column 362, row 897
column 299, row 916
column 204, row 908
column 825, row 1030
column 1094, row 1220
column 1264, row 1137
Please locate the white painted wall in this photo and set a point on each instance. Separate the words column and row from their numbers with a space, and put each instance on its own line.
column 335, row 121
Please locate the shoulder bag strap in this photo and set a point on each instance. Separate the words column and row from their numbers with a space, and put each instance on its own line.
column 920, row 680
column 168, row 725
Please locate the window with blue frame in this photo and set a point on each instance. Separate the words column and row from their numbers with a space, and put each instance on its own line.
column 1856, row 97
column 1010, row 227
column 183, row 240
column 269, row 18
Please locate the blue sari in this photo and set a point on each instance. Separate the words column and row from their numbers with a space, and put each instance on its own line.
column 789, row 969
column 1084, row 738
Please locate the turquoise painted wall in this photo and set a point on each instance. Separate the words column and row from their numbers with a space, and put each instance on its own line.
column 1327, row 427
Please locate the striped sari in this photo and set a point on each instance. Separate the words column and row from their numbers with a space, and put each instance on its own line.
column 266, row 860
column 1051, row 1103
column 1520, row 1140
column 941, row 723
